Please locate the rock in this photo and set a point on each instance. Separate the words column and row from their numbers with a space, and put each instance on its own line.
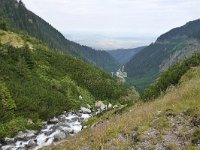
column 25, row 136
column 160, row 146
column 21, row 148
column 0, row 146
column 56, row 127
column 81, row 119
column 88, row 106
column 9, row 140
column 48, row 133
column 99, row 104
column 109, row 105
column 79, row 114
column 80, row 98
column 66, row 130
column 59, row 136
column 115, row 106
column 32, row 143
column 75, row 119
column 30, row 121
column 134, row 136
column 53, row 121
column 62, row 119
column 85, row 110
column 196, row 121
column 93, row 113
column 2, row 141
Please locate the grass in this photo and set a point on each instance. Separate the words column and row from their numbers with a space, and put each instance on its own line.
column 184, row 97
column 11, row 38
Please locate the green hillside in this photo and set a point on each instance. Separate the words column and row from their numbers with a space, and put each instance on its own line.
column 26, row 21
column 169, row 48
column 37, row 83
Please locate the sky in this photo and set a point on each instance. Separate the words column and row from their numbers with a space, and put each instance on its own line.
column 114, row 24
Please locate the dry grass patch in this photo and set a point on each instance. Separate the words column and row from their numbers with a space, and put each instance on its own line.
column 11, row 38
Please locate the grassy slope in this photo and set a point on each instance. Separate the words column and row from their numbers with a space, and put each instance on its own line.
column 117, row 132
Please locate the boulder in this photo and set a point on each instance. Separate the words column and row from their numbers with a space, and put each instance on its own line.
column 57, row 126
column 109, row 105
column 88, row 106
column 62, row 120
column 26, row 135
column 48, row 133
column 53, row 121
column 9, row 141
column 30, row 121
column 103, row 107
column 32, row 143
column 78, row 114
column 21, row 148
column 196, row 121
column 66, row 130
column 115, row 106
column 100, row 105
column 2, row 141
column 81, row 119
column 85, row 110
column 80, row 98
column 75, row 119
column 59, row 136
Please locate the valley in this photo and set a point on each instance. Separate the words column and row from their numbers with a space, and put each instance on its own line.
column 58, row 94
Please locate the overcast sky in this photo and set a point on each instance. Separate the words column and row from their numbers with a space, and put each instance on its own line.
column 110, row 24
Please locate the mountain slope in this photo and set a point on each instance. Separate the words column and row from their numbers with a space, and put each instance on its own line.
column 169, row 48
column 23, row 19
column 124, row 55
column 37, row 83
column 169, row 122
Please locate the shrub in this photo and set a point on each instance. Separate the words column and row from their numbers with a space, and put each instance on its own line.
column 170, row 77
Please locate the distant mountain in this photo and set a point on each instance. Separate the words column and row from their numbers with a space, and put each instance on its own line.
column 169, row 48
column 124, row 55
column 17, row 14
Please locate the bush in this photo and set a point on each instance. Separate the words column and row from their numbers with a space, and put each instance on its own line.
column 170, row 77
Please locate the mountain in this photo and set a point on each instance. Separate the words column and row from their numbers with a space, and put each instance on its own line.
column 37, row 83
column 173, row 46
column 124, row 55
column 16, row 13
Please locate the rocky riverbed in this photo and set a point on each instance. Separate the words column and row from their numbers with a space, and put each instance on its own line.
column 56, row 129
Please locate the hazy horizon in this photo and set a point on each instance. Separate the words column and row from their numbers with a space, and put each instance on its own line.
column 109, row 42
column 114, row 24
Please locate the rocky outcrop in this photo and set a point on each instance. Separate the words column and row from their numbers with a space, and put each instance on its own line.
column 169, row 131
column 166, row 131
column 59, row 136
column 85, row 110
